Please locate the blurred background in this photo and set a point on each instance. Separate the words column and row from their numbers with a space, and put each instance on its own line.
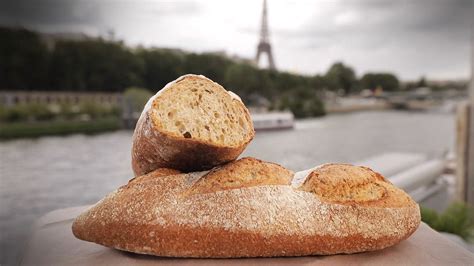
column 379, row 83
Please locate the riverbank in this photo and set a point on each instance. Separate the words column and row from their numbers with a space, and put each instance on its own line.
column 355, row 104
column 57, row 128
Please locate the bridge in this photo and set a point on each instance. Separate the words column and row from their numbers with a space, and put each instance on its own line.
column 422, row 98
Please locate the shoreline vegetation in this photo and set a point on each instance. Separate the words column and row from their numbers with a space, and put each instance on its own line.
column 18, row 130
column 457, row 219
column 31, row 120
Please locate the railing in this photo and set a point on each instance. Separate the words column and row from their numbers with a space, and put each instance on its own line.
column 418, row 175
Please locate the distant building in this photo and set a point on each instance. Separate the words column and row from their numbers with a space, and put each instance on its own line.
column 264, row 46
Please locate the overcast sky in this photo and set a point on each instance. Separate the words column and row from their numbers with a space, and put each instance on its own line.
column 410, row 38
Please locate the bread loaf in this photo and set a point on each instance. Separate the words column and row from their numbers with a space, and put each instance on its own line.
column 251, row 208
column 191, row 124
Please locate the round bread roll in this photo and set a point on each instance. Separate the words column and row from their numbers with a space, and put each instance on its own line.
column 250, row 208
column 191, row 124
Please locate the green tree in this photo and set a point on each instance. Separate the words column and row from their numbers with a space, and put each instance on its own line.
column 421, row 82
column 242, row 79
column 318, row 82
column 386, row 81
column 340, row 76
column 23, row 60
column 94, row 65
column 285, row 81
column 161, row 66
column 302, row 102
column 211, row 65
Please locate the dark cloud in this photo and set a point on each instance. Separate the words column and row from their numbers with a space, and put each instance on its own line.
column 385, row 19
column 44, row 12
column 49, row 14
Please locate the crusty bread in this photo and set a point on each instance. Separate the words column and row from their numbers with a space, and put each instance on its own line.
column 191, row 124
column 349, row 185
column 334, row 209
column 157, row 173
column 246, row 172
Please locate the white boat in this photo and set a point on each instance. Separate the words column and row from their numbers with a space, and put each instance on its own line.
column 273, row 120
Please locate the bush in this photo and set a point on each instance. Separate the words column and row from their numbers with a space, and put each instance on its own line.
column 15, row 113
column 68, row 111
column 24, row 112
column 43, row 112
column 91, row 109
column 386, row 81
column 457, row 219
column 96, row 110
column 39, row 112
column 302, row 103
column 37, row 129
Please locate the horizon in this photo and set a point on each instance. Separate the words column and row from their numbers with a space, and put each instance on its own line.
column 354, row 32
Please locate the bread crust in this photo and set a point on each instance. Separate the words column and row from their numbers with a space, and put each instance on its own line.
column 153, row 149
column 157, row 216
column 245, row 172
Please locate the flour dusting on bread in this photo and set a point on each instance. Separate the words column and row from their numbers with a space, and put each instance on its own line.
column 274, row 220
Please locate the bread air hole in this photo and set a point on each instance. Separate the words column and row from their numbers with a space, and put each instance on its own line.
column 171, row 114
column 187, row 135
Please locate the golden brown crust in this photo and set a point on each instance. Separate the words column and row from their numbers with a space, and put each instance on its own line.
column 152, row 217
column 154, row 174
column 184, row 241
column 246, row 172
column 348, row 184
column 153, row 148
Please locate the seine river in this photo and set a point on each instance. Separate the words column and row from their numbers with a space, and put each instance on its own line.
column 40, row 175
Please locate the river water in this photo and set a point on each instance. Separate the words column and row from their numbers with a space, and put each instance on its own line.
column 40, row 175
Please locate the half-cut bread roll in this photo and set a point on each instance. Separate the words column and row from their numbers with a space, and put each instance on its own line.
column 191, row 124
column 248, row 208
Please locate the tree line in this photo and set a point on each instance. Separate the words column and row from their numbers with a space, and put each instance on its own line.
column 95, row 64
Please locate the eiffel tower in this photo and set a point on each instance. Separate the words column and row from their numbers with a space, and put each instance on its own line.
column 264, row 43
